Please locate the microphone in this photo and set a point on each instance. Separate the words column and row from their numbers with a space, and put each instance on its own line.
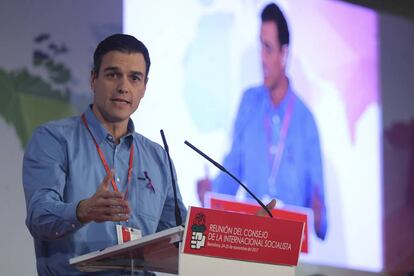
column 223, row 169
column 178, row 219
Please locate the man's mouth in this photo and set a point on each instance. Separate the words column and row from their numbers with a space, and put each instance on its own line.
column 120, row 100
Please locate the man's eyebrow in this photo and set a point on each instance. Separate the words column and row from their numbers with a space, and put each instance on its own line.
column 115, row 68
column 111, row 68
column 136, row 73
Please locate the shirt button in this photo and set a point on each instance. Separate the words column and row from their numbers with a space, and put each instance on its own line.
column 117, row 180
column 73, row 226
column 57, row 233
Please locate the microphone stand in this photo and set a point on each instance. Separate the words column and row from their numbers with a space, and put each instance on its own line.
column 223, row 169
column 178, row 219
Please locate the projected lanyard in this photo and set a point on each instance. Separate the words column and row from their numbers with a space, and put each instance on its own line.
column 277, row 150
column 105, row 164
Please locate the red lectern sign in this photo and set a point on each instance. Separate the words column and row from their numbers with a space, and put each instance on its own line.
column 222, row 203
column 244, row 237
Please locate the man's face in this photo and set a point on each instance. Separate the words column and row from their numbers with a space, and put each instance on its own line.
column 273, row 55
column 119, row 86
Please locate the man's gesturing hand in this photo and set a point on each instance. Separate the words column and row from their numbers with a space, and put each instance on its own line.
column 104, row 205
column 262, row 212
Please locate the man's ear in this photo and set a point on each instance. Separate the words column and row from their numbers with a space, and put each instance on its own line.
column 92, row 80
column 145, row 89
column 285, row 53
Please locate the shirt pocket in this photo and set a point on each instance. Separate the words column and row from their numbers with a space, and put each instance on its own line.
column 148, row 197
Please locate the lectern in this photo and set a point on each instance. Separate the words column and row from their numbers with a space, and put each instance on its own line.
column 214, row 242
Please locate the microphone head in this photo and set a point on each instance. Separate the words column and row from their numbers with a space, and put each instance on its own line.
column 220, row 167
column 164, row 141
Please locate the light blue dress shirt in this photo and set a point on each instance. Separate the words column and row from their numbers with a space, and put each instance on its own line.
column 61, row 166
column 300, row 172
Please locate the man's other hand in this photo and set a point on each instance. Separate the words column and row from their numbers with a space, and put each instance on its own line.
column 262, row 212
column 203, row 186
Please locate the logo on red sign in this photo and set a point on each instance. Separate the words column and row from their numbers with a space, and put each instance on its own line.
column 198, row 237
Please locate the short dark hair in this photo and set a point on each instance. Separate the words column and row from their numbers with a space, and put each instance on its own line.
column 273, row 13
column 122, row 43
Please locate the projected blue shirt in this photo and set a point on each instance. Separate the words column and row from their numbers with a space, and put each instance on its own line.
column 61, row 167
column 299, row 176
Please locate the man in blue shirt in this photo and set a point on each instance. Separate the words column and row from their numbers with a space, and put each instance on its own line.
column 275, row 149
column 84, row 175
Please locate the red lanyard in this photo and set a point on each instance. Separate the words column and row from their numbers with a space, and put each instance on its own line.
column 281, row 143
column 105, row 164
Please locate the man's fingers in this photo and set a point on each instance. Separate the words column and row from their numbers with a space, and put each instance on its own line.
column 112, row 214
column 114, row 217
column 110, row 210
column 109, row 195
column 108, row 202
column 108, row 213
column 271, row 205
column 203, row 186
column 106, row 205
column 106, row 182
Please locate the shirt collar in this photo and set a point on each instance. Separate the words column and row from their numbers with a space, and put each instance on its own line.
column 99, row 131
column 282, row 105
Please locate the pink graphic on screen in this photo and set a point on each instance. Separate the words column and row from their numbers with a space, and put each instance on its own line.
column 343, row 55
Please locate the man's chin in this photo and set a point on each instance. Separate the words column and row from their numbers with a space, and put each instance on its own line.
column 118, row 117
column 268, row 85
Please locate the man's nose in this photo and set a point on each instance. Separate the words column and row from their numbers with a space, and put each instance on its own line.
column 123, row 86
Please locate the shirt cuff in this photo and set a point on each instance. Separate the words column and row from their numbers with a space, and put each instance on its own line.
column 70, row 217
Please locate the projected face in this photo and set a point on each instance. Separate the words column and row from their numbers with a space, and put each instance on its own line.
column 272, row 54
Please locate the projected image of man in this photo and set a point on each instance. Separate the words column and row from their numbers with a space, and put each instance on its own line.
column 275, row 148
